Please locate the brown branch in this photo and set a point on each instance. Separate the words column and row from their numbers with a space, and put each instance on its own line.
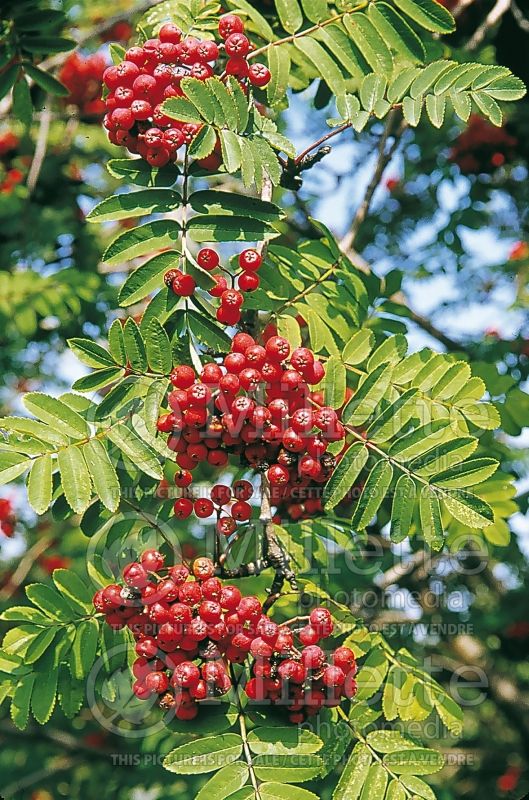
column 321, row 141
column 383, row 159
column 40, row 147
column 500, row 8
column 24, row 567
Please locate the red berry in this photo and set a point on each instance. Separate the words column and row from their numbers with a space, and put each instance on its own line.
column 203, row 507
column 230, row 24
column 170, row 33
column 313, row 657
column 241, row 511
column 277, row 349
column 344, row 658
column 152, row 560
column 238, row 67
column 321, row 621
column 291, row 671
column 134, row 575
column 203, row 568
column 226, row 526
column 220, row 494
column 259, row 75
column 250, row 260
column 278, row 475
column 182, row 376
column 183, row 478
column 308, row 636
column 242, row 490
column 248, row 282
column 183, row 507
column 186, row 674
column 228, row 315
column 232, row 298
column 184, row 285
column 237, row 45
column 221, row 285
column 208, row 258
column 230, row 597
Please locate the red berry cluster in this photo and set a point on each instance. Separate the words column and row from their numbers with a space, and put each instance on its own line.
column 230, row 504
column 483, row 147
column 231, row 299
column 7, row 517
column 9, row 142
column 10, row 173
column 301, row 676
column 189, row 628
column 153, row 73
column 83, row 77
column 257, row 404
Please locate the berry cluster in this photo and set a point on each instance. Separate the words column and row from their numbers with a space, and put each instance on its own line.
column 231, row 299
column 10, row 173
column 230, row 504
column 7, row 517
column 153, row 73
column 189, row 628
column 301, row 676
column 83, row 77
column 257, row 405
column 482, row 147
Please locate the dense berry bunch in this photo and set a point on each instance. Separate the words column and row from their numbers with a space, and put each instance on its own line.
column 153, row 72
column 292, row 669
column 83, row 77
column 7, row 517
column 189, row 628
column 258, row 405
column 231, row 299
column 483, row 147
column 12, row 167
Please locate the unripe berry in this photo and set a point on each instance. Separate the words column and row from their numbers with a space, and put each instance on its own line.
column 203, row 568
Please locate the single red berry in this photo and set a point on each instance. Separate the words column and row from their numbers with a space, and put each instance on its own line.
column 183, row 478
column 242, row 490
column 238, row 67
column 249, row 609
column 241, row 342
column 182, row 376
column 186, row 674
column 232, row 298
column 230, row 24
column 152, row 560
column 165, row 423
column 203, row 568
column 203, row 507
column 156, row 682
column 344, row 658
column 226, row 526
column 259, row 75
column 321, row 621
column 228, row 315
column 184, row 285
column 220, row 494
column 277, row 349
column 241, row 511
column 221, row 284
column 208, row 258
column 134, row 575
column 183, row 507
column 313, row 657
column 230, row 597
column 170, row 33
column 250, row 260
column 292, row 671
column 278, row 475
column 308, row 636
column 248, row 282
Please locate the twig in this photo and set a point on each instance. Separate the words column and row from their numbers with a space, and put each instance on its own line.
column 41, row 146
column 321, row 141
column 25, row 565
column 431, row 329
column 383, row 160
column 494, row 16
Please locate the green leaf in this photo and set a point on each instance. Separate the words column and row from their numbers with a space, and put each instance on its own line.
column 45, row 81
column 181, row 109
column 444, row 456
column 75, row 478
column 231, row 150
column 76, row 590
column 279, row 791
column 418, row 787
column 22, row 103
column 412, row 110
column 435, row 108
column 158, row 346
column 84, row 648
column 228, row 780
column 21, row 701
column 208, row 332
column 40, row 485
column 116, row 343
column 203, row 143
column 449, row 712
column 40, row 644
column 468, row 473
column 420, row 761
column 135, row 204
column 12, row 465
column 431, row 523
column 134, row 346
column 33, row 427
column 488, row 107
column 421, row 440
column 290, row 15
column 49, row 601
column 280, row 67
column 241, row 102
column 103, row 474
column 283, row 741
column 396, row 791
column 373, row 494
column 90, row 353
column 372, row 674
column 57, row 414
column 390, row 351
column 345, row 475
column 138, row 171
column 223, row 228
column 358, row 347
column 98, row 379
column 393, row 418
column 204, row 755
column 323, row 62
column 287, row 769
column 198, row 93
column 210, row 201
column 288, row 327
column 469, row 509
column 370, row 43
column 396, row 32
column 147, row 278
column 375, row 783
column 139, row 453
column 44, row 696
column 354, row 774
column 156, row 235
column 25, row 614
column 402, row 509
column 367, row 397
column 7, row 79
column 385, row 741
column 508, row 87
column 46, row 44
column 428, row 14
column 334, row 384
